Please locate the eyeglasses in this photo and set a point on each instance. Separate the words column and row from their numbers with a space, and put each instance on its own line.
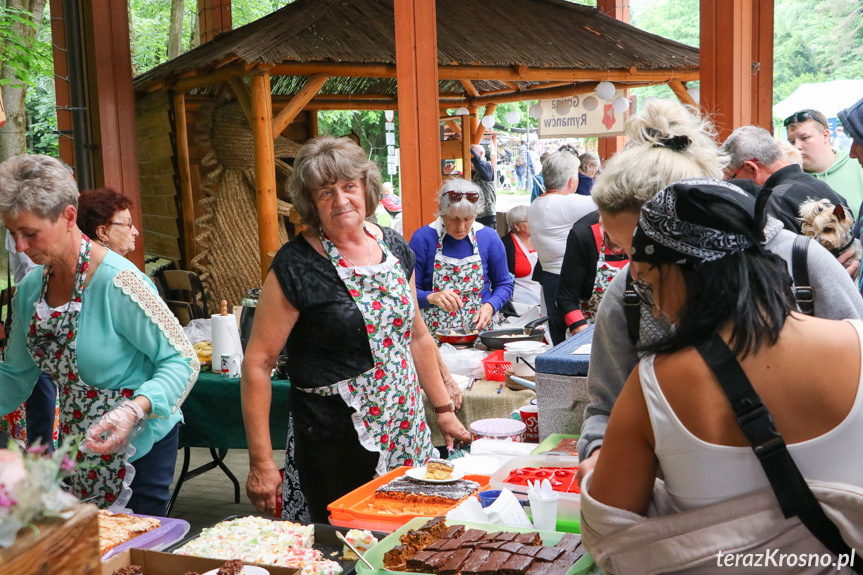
column 802, row 117
column 644, row 292
column 472, row 197
column 129, row 225
column 743, row 165
column 570, row 149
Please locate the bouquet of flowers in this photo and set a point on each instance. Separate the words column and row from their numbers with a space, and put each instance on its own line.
column 30, row 486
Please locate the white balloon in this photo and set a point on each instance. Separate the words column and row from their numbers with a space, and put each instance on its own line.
column 620, row 104
column 535, row 111
column 695, row 93
column 563, row 107
column 605, row 90
column 590, row 103
column 462, row 111
column 513, row 117
column 488, row 121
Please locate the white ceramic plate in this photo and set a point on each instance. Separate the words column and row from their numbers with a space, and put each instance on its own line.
column 250, row 570
column 419, row 473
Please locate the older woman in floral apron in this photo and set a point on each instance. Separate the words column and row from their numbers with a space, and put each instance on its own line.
column 590, row 263
column 462, row 275
column 341, row 294
column 97, row 326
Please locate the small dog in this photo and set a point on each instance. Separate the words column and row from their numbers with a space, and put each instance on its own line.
column 830, row 225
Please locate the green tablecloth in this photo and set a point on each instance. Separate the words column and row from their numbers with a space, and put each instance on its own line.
column 214, row 417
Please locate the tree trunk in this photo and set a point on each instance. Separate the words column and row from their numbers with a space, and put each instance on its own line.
column 12, row 135
column 175, row 32
column 133, row 39
column 195, row 36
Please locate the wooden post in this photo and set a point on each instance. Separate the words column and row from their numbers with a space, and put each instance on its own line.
column 187, row 201
column 61, row 83
column 619, row 10
column 244, row 99
column 265, row 169
column 419, row 138
column 465, row 147
column 313, row 123
column 762, row 54
column 214, row 17
column 726, row 63
column 113, row 105
column 680, row 91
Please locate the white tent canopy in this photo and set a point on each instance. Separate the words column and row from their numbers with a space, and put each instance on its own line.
column 826, row 97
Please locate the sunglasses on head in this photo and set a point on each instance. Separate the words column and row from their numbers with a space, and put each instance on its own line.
column 472, row 197
column 802, row 117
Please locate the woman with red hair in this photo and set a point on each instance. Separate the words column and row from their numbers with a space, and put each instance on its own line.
column 104, row 217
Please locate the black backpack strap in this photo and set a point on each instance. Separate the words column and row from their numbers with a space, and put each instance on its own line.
column 791, row 489
column 803, row 292
column 632, row 310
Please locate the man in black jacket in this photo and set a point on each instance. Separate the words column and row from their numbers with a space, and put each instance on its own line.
column 755, row 155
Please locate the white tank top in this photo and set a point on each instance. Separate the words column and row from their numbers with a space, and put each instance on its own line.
column 698, row 473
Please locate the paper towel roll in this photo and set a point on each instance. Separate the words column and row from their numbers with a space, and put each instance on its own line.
column 226, row 338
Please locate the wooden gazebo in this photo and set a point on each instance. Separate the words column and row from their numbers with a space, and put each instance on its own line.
column 340, row 54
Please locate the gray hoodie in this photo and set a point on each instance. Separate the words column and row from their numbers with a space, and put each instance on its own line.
column 613, row 355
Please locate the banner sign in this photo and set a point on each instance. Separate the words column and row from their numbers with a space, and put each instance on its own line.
column 568, row 117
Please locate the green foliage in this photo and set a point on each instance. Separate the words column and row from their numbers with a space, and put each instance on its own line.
column 27, row 58
column 40, row 100
column 369, row 125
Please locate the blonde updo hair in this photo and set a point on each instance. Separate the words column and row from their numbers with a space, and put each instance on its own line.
column 646, row 165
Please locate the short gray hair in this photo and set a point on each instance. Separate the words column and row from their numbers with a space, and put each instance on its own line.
column 323, row 160
column 38, row 184
column 589, row 159
column 751, row 143
column 559, row 168
column 516, row 215
column 461, row 208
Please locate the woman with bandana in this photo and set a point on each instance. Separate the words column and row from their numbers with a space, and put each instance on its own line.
column 698, row 260
column 91, row 320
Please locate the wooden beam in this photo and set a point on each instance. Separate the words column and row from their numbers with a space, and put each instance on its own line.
column 726, row 63
column 680, row 91
column 465, row 147
column 316, row 104
column 469, row 88
column 265, row 169
column 480, row 129
column 762, row 56
column 512, row 85
column 314, row 130
column 562, row 92
column 243, row 97
column 419, row 128
column 61, row 83
column 187, row 200
column 298, row 102
column 495, row 73
column 214, row 18
column 453, row 126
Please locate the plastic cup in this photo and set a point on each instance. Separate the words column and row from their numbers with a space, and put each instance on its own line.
column 544, row 511
column 530, row 418
column 486, row 498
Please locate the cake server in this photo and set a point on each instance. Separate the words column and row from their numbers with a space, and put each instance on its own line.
column 354, row 549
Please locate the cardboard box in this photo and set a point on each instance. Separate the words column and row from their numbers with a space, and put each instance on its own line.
column 158, row 563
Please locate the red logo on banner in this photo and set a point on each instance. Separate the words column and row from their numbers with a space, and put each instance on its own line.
column 608, row 116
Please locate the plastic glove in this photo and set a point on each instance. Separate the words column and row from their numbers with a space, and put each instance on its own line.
column 116, row 429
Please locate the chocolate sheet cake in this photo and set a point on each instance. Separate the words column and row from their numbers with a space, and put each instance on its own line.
column 530, row 550
column 406, row 488
column 417, row 562
column 569, row 541
column 494, row 562
column 511, row 547
column 474, row 561
column 516, row 565
column 549, row 554
column 454, row 563
column 453, row 531
column 528, row 538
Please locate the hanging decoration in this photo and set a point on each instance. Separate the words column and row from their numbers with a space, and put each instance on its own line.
column 488, row 121
column 590, row 103
column 695, row 94
column 605, row 90
column 513, row 117
column 535, row 111
column 620, row 104
column 462, row 111
column 563, row 107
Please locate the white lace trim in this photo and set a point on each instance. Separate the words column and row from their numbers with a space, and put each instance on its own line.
column 149, row 301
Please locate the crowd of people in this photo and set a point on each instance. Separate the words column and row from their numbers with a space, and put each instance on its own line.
column 713, row 273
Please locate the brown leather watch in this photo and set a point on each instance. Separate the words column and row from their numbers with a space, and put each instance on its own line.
column 446, row 408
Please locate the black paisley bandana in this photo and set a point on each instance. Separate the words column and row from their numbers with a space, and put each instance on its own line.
column 681, row 224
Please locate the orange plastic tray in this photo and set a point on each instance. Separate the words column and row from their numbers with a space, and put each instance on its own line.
column 345, row 512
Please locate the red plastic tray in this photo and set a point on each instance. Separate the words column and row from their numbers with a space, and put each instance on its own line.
column 345, row 511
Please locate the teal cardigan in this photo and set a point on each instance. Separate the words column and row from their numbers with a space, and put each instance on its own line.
column 127, row 338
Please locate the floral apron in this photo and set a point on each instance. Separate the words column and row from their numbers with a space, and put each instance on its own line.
column 389, row 416
column 605, row 272
column 463, row 276
column 52, row 343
